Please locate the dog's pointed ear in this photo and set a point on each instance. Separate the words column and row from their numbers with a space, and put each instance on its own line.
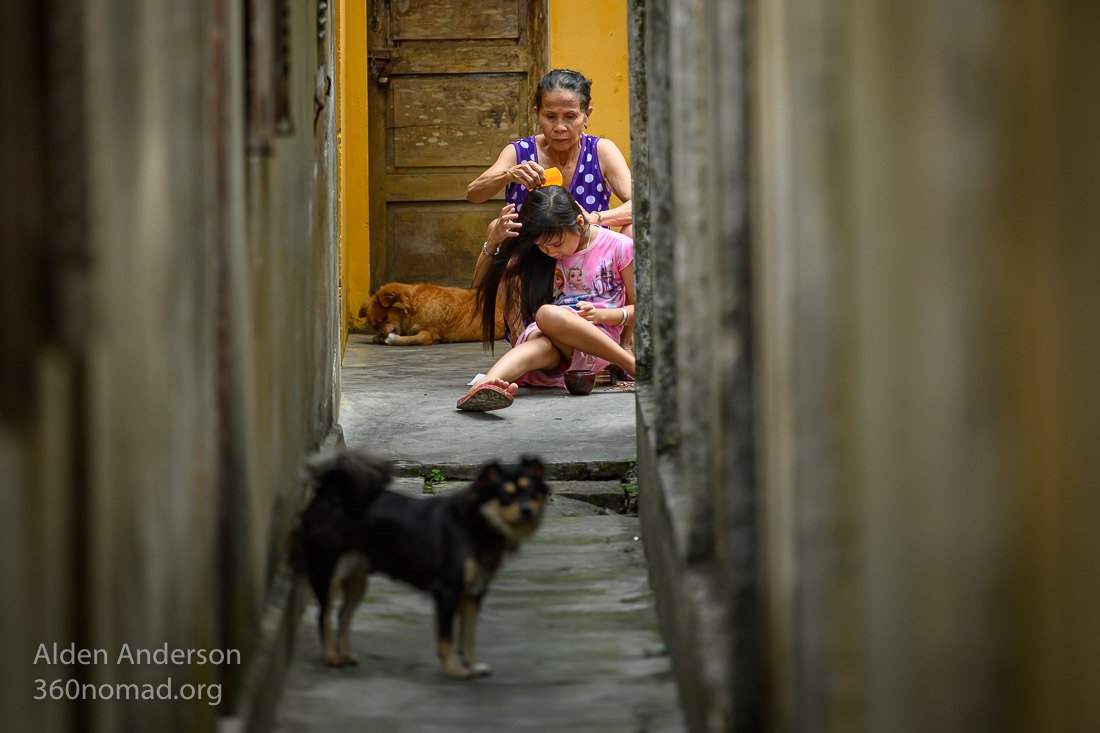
column 386, row 297
column 534, row 465
column 363, row 309
column 489, row 474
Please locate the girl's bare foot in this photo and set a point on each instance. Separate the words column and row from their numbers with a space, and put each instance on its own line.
column 509, row 387
column 488, row 394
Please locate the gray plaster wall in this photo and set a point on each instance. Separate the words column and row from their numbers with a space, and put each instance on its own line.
column 695, row 417
column 866, row 264
column 179, row 352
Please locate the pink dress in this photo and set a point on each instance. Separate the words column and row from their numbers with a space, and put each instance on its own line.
column 593, row 275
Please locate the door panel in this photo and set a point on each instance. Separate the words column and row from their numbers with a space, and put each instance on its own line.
column 435, row 241
column 429, row 130
column 439, row 21
column 452, row 84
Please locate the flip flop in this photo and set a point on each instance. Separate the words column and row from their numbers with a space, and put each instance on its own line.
column 485, row 397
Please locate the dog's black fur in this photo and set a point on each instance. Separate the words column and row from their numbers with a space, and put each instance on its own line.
column 449, row 546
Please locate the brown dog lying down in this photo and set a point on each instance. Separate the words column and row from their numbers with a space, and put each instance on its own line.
column 421, row 314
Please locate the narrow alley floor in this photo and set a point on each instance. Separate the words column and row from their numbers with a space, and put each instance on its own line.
column 568, row 626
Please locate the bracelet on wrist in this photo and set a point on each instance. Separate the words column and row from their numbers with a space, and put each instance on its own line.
column 599, row 219
column 625, row 315
column 485, row 249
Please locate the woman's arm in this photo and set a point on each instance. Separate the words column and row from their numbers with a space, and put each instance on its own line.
column 506, row 170
column 500, row 229
column 494, row 179
column 616, row 174
column 620, row 216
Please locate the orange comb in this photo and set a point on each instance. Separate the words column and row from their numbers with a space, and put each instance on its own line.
column 553, row 177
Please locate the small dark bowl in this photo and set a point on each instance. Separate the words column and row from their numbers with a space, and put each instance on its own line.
column 580, row 382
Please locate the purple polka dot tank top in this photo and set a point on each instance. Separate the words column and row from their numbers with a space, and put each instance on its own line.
column 588, row 186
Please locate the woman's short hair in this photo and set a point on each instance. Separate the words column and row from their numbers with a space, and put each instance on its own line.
column 565, row 80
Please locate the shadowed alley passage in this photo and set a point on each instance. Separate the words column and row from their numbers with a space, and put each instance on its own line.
column 569, row 625
column 568, row 629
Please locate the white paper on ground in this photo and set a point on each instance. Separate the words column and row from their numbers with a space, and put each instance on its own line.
column 473, row 381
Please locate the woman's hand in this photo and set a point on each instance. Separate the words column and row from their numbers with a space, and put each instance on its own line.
column 530, row 174
column 503, row 227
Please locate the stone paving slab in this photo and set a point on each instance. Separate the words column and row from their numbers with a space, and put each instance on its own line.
column 400, row 402
column 568, row 627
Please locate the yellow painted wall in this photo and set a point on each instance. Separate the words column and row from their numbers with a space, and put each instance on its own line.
column 354, row 201
column 589, row 37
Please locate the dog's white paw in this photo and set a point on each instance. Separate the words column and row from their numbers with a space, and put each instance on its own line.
column 481, row 669
column 390, row 338
column 463, row 672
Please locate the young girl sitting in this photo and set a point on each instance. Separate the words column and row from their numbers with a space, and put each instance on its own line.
column 578, row 330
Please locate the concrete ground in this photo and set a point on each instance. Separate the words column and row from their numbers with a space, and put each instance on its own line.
column 400, row 401
column 568, row 627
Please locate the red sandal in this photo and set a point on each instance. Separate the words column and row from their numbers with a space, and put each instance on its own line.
column 485, row 397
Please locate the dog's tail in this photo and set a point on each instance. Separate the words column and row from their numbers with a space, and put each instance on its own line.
column 348, row 478
column 345, row 483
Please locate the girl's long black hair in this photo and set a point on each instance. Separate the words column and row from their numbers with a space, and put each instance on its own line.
column 527, row 272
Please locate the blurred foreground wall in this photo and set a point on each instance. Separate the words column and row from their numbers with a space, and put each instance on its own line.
column 868, row 265
column 168, row 293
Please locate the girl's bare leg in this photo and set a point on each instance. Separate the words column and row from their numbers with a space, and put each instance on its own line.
column 569, row 331
column 537, row 352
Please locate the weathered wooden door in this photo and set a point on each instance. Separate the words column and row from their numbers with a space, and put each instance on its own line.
column 451, row 83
